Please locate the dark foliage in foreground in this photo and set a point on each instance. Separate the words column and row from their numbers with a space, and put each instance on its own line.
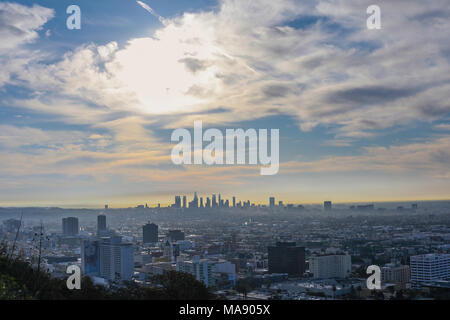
column 18, row 280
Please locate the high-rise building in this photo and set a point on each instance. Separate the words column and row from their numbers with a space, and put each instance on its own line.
column 184, row 202
column 150, row 233
column 286, row 257
column 177, row 202
column 214, row 202
column 220, row 201
column 194, row 203
column 90, row 257
column 70, row 226
column 208, row 203
column 101, row 223
column 330, row 266
column 327, row 205
column 234, row 202
column 201, row 202
column 272, row 202
column 175, row 235
column 116, row 259
column 429, row 267
column 108, row 258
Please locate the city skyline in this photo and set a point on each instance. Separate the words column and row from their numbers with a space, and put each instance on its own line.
column 170, row 201
column 86, row 115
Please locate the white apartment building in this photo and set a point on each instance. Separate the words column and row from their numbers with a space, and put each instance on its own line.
column 395, row 273
column 330, row 266
column 116, row 260
column 204, row 269
column 429, row 267
column 201, row 269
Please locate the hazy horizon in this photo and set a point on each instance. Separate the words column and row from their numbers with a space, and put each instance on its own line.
column 86, row 115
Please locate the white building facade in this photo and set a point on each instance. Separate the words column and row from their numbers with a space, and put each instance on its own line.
column 429, row 267
column 330, row 266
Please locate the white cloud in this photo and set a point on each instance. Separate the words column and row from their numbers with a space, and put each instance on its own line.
column 246, row 58
column 19, row 24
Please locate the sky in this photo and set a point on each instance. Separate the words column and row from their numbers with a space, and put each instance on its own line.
column 86, row 115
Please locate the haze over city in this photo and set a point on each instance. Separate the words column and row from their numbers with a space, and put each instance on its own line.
column 224, row 157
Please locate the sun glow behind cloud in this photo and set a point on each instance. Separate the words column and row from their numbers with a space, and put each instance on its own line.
column 249, row 60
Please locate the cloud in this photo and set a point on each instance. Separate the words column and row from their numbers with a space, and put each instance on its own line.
column 428, row 158
column 443, row 126
column 250, row 58
column 19, row 24
column 312, row 60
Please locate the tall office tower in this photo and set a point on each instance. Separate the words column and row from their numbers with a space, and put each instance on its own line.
column 116, row 259
column 177, row 202
column 195, row 201
column 327, row 205
column 330, row 266
column 428, row 268
column 395, row 273
column 106, row 207
column 272, row 202
column 70, row 226
column 101, row 223
column 175, row 235
column 201, row 202
column 220, row 200
column 214, row 202
column 208, row 203
column 234, row 202
column 184, row 202
column 90, row 257
column 280, row 203
column 150, row 233
column 414, row 206
column 287, row 257
column 227, row 204
column 108, row 258
column 221, row 203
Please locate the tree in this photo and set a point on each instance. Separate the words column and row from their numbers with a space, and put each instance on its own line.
column 182, row 286
column 243, row 287
column 11, row 290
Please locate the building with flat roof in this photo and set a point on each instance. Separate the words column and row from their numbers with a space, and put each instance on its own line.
column 429, row 267
column 287, row 257
column 150, row 233
column 70, row 226
column 395, row 273
column 330, row 266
